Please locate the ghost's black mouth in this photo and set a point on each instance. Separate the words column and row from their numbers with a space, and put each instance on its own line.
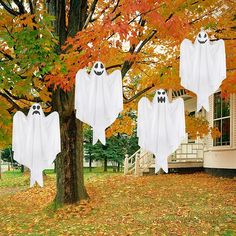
column 161, row 99
column 202, row 42
column 36, row 112
column 98, row 72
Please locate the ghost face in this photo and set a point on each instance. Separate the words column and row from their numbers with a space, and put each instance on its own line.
column 202, row 37
column 98, row 68
column 36, row 110
column 161, row 96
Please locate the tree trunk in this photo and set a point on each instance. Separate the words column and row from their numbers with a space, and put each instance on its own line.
column 105, row 164
column 90, row 163
column 118, row 167
column 69, row 164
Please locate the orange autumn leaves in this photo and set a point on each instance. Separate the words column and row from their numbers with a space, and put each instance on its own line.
column 115, row 36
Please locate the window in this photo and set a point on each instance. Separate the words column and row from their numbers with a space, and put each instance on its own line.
column 222, row 119
column 190, row 140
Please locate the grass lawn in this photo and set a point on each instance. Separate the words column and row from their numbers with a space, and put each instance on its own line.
column 168, row 204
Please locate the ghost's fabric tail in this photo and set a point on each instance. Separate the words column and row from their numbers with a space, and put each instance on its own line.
column 99, row 134
column 202, row 103
column 36, row 176
column 161, row 162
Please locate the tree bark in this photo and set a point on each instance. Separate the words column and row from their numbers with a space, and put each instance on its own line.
column 69, row 163
column 105, row 165
column 90, row 163
column 118, row 167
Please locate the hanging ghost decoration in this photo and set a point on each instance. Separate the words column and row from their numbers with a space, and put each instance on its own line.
column 202, row 67
column 98, row 98
column 36, row 141
column 160, row 127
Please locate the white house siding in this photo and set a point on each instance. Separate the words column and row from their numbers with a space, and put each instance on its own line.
column 222, row 157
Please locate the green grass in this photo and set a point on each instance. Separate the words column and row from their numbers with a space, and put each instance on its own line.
column 15, row 178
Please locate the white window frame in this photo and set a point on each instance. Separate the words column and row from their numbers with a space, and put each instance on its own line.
column 222, row 118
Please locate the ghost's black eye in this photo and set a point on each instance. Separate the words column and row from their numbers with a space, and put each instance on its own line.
column 96, row 65
column 205, row 35
column 163, row 92
column 38, row 107
column 199, row 36
column 34, row 107
column 102, row 66
column 159, row 93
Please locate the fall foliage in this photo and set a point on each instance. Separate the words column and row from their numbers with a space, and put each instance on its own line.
column 144, row 36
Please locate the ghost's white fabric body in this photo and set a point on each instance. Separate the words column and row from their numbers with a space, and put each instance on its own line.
column 202, row 67
column 36, row 141
column 160, row 127
column 98, row 99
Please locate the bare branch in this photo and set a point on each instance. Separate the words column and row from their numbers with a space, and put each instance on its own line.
column 6, row 55
column 9, row 9
column 128, row 64
column 20, row 6
column 11, row 101
column 146, row 41
column 31, row 7
column 90, row 13
column 113, row 66
column 36, row 99
column 138, row 94
column 116, row 6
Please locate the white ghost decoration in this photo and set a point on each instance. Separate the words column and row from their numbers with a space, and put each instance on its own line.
column 160, row 127
column 202, row 67
column 98, row 99
column 36, row 141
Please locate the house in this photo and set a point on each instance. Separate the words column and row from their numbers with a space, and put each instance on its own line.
column 217, row 157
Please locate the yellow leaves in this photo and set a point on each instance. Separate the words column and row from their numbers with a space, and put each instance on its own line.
column 25, row 20
column 125, row 125
column 199, row 127
column 45, row 95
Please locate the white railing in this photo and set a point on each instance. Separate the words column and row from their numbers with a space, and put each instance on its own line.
column 141, row 160
column 136, row 163
column 188, row 152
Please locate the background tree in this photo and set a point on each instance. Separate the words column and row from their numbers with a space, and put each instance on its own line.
column 117, row 146
column 144, row 36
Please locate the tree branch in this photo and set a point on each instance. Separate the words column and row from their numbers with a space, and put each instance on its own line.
column 116, row 6
column 128, row 64
column 9, row 9
column 31, row 7
column 6, row 55
column 90, row 13
column 138, row 94
column 113, row 66
column 36, row 99
column 10, row 100
column 20, row 6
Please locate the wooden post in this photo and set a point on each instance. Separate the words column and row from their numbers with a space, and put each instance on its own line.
column 126, row 163
column 137, row 165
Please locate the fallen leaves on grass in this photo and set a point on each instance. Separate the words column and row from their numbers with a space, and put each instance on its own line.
column 190, row 204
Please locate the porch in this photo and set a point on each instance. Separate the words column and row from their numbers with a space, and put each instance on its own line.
column 188, row 155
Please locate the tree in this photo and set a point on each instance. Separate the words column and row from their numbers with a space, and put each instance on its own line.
column 92, row 30
column 117, row 146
